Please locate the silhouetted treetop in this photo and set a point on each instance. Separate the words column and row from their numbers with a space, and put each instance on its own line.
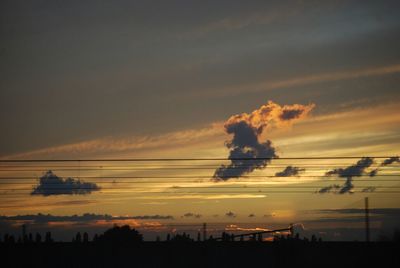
column 121, row 235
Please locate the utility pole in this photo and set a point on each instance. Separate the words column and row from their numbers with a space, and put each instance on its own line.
column 366, row 220
column 204, row 231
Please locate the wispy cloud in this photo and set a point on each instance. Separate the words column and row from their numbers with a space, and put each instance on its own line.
column 295, row 82
column 86, row 217
column 191, row 215
column 109, row 145
column 289, row 171
column 234, row 23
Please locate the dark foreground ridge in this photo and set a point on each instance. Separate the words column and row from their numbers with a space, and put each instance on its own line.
column 203, row 254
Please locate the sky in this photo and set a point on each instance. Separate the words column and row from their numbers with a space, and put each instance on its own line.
column 189, row 79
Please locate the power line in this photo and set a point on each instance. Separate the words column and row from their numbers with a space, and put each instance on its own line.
column 209, row 177
column 63, row 188
column 183, row 159
column 150, row 169
column 193, row 194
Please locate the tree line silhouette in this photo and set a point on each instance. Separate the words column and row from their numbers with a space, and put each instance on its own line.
column 127, row 235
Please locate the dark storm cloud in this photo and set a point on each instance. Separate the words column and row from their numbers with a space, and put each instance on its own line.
column 289, row 171
column 51, row 184
column 247, row 151
column 349, row 173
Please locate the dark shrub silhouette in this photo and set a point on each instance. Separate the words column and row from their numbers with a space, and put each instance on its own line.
column 120, row 235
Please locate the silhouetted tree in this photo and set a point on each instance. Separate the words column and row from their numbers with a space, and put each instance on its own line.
column 85, row 237
column 38, row 238
column 313, row 238
column 168, row 237
column 78, row 237
column 396, row 235
column 121, row 235
column 198, row 237
column 9, row 239
column 48, row 238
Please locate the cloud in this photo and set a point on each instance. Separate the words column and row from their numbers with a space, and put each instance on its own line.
column 234, row 23
column 356, row 170
column 51, row 184
column 289, row 171
column 191, row 215
column 230, row 214
column 391, row 160
column 368, row 189
column 234, row 227
column 269, row 215
column 246, row 143
column 373, row 172
column 376, row 211
column 296, row 82
column 107, row 145
column 329, row 188
column 386, row 162
column 86, row 217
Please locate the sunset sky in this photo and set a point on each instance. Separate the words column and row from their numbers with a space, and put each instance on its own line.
column 184, row 80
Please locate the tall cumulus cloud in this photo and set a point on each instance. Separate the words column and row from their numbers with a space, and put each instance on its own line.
column 247, row 131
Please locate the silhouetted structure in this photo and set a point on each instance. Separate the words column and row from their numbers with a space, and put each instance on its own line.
column 181, row 238
column 366, row 220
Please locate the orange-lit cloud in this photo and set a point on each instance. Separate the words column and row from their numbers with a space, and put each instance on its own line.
column 234, row 227
column 271, row 114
